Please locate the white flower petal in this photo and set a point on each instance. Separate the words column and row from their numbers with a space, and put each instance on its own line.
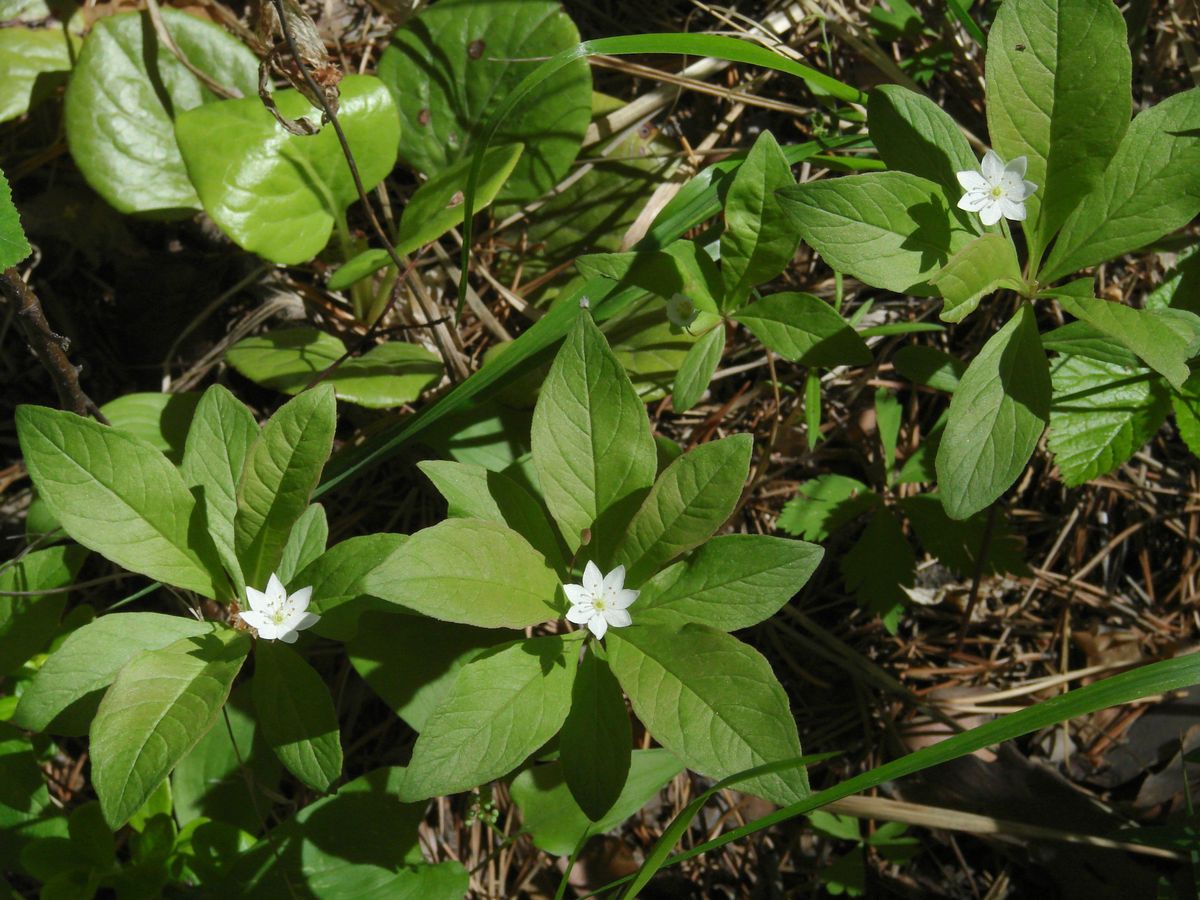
column 1029, row 187
column 306, row 620
column 992, row 166
column 289, row 637
column 276, row 592
column 581, row 614
column 577, row 593
column 972, row 180
column 597, row 625
column 268, row 631
column 258, row 600
column 974, row 201
column 593, row 581
column 990, row 214
column 256, row 620
column 623, row 599
column 1012, row 209
column 614, row 581
column 1017, row 167
column 301, row 598
column 617, row 618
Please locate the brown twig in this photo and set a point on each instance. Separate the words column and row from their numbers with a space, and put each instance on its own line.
column 164, row 35
column 50, row 348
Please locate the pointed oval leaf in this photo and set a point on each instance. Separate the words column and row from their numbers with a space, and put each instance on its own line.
column 731, row 582
column 282, row 467
column 997, row 415
column 1058, row 92
column 296, row 714
column 27, row 623
column 697, row 370
column 119, row 117
column 279, row 194
column 469, row 571
column 915, row 135
column 158, row 707
column 504, row 705
column 161, row 420
column 596, row 738
column 691, row 499
column 592, row 446
column 712, row 701
column 119, row 496
column 986, row 264
column 305, row 544
column 337, row 578
column 805, row 329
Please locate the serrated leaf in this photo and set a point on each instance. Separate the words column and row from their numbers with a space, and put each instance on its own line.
column 411, row 661
column 214, row 455
column 34, row 63
column 449, row 66
column 63, row 696
column 119, row 118
column 162, row 420
column 14, row 246
column 289, row 360
column 690, row 500
column 119, row 496
column 758, row 242
column 879, row 567
column 1058, row 92
column 1101, row 415
column 596, row 739
column 557, row 823
column 891, row 230
column 474, row 492
column 279, row 194
column 157, row 708
column 27, row 623
column 469, row 571
column 296, row 714
column 712, row 701
column 957, row 544
column 305, row 544
column 1156, row 340
column 997, row 415
column 697, row 370
column 592, row 447
column 805, row 329
column 337, row 578
column 986, row 264
column 282, row 468
column 1150, row 188
column 824, row 504
column 729, row 583
column 915, row 135
column 502, row 707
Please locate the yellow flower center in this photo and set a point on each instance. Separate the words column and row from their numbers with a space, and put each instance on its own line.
column 997, row 191
column 598, row 604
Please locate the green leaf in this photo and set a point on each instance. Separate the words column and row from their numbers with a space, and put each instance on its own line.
column 957, row 544
column 731, row 582
column 1058, row 92
column 550, row 814
column 448, row 66
column 161, row 420
column 758, row 242
column 1156, row 339
column 14, row 246
column 437, row 205
column 681, row 267
column 592, row 446
column 411, row 661
column 1150, row 188
column 357, row 268
column 63, row 696
column 891, row 230
column 305, row 544
column 35, row 62
column 337, row 578
column 712, row 701
column 283, row 466
column 158, row 707
column 879, row 567
column 915, row 135
column 986, row 264
column 697, row 369
column 119, row 496
column 889, row 414
column 930, row 367
column 596, row 738
column 651, row 349
column 119, row 116
column 27, row 624
column 214, row 456
column 279, row 194
column 474, row 492
column 289, row 360
column 997, row 415
column 805, row 329
column 1101, row 415
column 296, row 714
column 503, row 706
column 824, row 504
column 1186, row 403
column 690, row 500
column 1081, row 339
column 469, row 571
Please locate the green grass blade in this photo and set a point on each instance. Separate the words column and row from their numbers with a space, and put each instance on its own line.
column 959, row 9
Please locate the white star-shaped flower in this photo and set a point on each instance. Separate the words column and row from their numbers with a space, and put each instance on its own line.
column 681, row 311
column 997, row 189
column 601, row 601
column 277, row 615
